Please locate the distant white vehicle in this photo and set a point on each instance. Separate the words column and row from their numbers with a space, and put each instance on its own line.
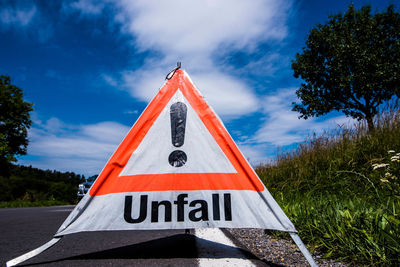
column 84, row 187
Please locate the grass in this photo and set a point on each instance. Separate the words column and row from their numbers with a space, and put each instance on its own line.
column 342, row 191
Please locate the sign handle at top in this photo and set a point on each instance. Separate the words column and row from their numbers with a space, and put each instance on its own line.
column 171, row 74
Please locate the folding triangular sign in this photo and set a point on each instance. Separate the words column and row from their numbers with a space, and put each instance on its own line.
column 177, row 168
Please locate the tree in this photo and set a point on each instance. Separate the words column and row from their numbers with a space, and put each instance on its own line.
column 14, row 122
column 351, row 64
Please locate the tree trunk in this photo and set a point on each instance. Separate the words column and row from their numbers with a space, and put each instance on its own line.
column 370, row 122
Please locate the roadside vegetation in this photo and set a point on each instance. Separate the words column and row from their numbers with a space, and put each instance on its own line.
column 342, row 191
column 22, row 186
column 28, row 187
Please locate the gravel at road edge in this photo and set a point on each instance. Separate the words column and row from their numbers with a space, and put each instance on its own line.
column 276, row 251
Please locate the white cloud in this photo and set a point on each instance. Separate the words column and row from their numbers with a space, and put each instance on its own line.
column 193, row 32
column 110, row 80
column 228, row 95
column 255, row 154
column 79, row 148
column 111, row 132
column 190, row 27
column 283, row 127
column 86, row 7
column 18, row 16
column 143, row 84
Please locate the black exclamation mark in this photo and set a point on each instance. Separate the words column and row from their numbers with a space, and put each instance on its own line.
column 178, row 112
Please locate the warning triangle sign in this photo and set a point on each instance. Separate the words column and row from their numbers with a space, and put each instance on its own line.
column 177, row 168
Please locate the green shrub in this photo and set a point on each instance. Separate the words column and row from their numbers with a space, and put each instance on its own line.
column 63, row 192
column 34, row 187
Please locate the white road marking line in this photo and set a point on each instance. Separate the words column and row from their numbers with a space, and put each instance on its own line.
column 216, row 249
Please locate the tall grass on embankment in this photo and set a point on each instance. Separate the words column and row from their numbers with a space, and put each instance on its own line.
column 342, row 191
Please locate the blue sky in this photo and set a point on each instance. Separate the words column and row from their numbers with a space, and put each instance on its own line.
column 91, row 67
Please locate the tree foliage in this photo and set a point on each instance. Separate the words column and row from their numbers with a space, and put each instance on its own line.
column 350, row 64
column 14, row 122
column 33, row 184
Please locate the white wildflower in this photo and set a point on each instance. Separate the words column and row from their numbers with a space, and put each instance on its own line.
column 382, row 165
column 384, row 181
column 395, row 158
column 391, row 151
column 388, row 174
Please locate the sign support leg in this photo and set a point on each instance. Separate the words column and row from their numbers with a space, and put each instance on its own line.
column 33, row 253
column 303, row 249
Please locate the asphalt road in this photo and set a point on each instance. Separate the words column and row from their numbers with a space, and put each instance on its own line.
column 24, row 229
